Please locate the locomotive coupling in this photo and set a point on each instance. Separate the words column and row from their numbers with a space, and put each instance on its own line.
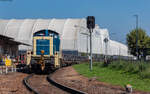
column 41, row 62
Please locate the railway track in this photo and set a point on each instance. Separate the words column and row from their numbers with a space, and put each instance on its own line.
column 44, row 84
column 26, row 83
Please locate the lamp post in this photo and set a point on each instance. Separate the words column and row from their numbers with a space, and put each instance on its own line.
column 137, row 36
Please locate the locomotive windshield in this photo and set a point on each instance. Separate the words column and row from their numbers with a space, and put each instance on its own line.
column 46, row 40
column 46, row 33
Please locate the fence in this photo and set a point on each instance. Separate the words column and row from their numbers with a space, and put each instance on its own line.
column 6, row 69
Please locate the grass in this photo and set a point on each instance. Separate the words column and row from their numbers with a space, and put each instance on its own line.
column 114, row 76
column 140, row 68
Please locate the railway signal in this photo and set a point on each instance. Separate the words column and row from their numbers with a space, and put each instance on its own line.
column 106, row 41
column 90, row 26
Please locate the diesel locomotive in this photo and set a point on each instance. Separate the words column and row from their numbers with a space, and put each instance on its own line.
column 47, row 54
column 46, row 50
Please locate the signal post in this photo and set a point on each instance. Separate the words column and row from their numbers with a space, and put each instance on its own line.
column 91, row 26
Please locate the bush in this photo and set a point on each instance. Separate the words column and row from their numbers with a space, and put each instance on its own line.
column 140, row 68
column 113, row 65
column 145, row 74
column 135, row 69
column 96, row 64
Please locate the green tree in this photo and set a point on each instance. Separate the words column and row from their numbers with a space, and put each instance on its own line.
column 143, row 41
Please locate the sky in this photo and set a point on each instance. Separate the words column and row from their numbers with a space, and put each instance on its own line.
column 115, row 15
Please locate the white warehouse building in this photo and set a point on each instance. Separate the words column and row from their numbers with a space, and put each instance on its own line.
column 73, row 34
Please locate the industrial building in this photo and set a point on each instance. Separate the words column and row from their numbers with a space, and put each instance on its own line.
column 73, row 34
column 8, row 46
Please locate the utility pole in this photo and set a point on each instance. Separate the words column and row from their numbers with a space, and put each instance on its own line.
column 91, row 26
column 137, row 36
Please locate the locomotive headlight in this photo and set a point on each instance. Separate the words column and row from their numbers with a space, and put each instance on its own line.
column 42, row 51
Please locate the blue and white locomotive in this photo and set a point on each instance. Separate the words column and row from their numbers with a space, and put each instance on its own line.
column 46, row 50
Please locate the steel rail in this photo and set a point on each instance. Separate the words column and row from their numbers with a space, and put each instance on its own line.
column 54, row 83
column 25, row 81
column 63, row 87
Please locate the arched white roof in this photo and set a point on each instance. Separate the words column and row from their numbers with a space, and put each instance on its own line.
column 72, row 34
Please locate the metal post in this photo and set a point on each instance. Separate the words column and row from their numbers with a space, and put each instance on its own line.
column 87, row 45
column 1, row 68
column 12, row 69
column 119, row 54
column 137, row 36
column 106, row 41
column 91, row 48
column 91, row 26
column 6, row 70
column 106, row 48
column 15, row 68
